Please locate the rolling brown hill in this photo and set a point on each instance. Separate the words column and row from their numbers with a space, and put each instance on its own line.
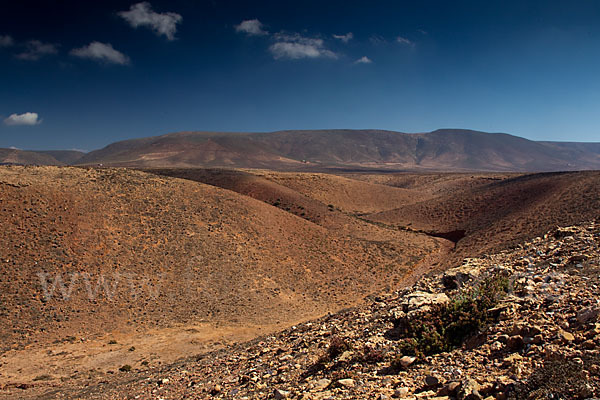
column 482, row 213
column 107, row 267
column 494, row 212
column 344, row 194
column 448, row 150
column 325, row 200
column 65, row 220
column 93, row 254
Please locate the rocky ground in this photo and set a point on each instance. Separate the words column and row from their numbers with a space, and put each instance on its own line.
column 539, row 339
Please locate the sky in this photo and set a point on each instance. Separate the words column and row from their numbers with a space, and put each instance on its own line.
column 83, row 74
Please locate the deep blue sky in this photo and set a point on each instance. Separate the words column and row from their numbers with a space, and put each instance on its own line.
column 530, row 68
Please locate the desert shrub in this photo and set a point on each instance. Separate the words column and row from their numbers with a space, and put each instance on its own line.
column 337, row 346
column 371, row 356
column 408, row 347
column 125, row 368
column 318, row 366
column 446, row 326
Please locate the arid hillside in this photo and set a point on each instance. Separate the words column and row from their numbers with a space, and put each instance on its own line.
column 318, row 150
column 489, row 213
column 327, row 200
column 109, row 268
column 530, row 329
column 88, row 253
column 479, row 212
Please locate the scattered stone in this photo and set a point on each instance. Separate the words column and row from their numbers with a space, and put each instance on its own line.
column 400, row 392
column 453, row 387
column 216, row 390
column 566, row 336
column 349, row 383
column 431, row 380
column 418, row 300
column 322, row 384
column 515, row 342
column 279, row 394
column 407, row 361
column 588, row 315
column 469, row 390
column 346, row 356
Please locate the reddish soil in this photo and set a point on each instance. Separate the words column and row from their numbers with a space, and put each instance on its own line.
column 173, row 253
column 221, row 256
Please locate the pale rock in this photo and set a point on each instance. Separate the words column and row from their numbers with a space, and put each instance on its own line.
column 349, row 383
column 406, row 361
column 400, row 392
column 322, row 384
column 418, row 299
column 346, row 356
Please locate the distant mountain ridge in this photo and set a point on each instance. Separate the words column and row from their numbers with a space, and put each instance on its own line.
column 40, row 157
column 440, row 150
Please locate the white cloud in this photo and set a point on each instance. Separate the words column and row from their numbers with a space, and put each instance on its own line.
column 405, row 41
column 251, row 27
column 36, row 49
column 141, row 14
column 6, row 41
column 28, row 118
column 296, row 47
column 345, row 38
column 363, row 60
column 103, row 52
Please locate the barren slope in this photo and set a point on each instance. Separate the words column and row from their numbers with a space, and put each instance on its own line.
column 540, row 340
column 135, row 252
column 503, row 211
column 189, row 267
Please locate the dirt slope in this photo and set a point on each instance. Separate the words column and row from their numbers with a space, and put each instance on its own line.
column 540, row 340
column 191, row 265
column 171, row 252
column 497, row 213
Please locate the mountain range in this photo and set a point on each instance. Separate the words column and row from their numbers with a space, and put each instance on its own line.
column 440, row 150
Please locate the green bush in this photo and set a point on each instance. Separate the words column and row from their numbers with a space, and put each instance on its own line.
column 446, row 326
